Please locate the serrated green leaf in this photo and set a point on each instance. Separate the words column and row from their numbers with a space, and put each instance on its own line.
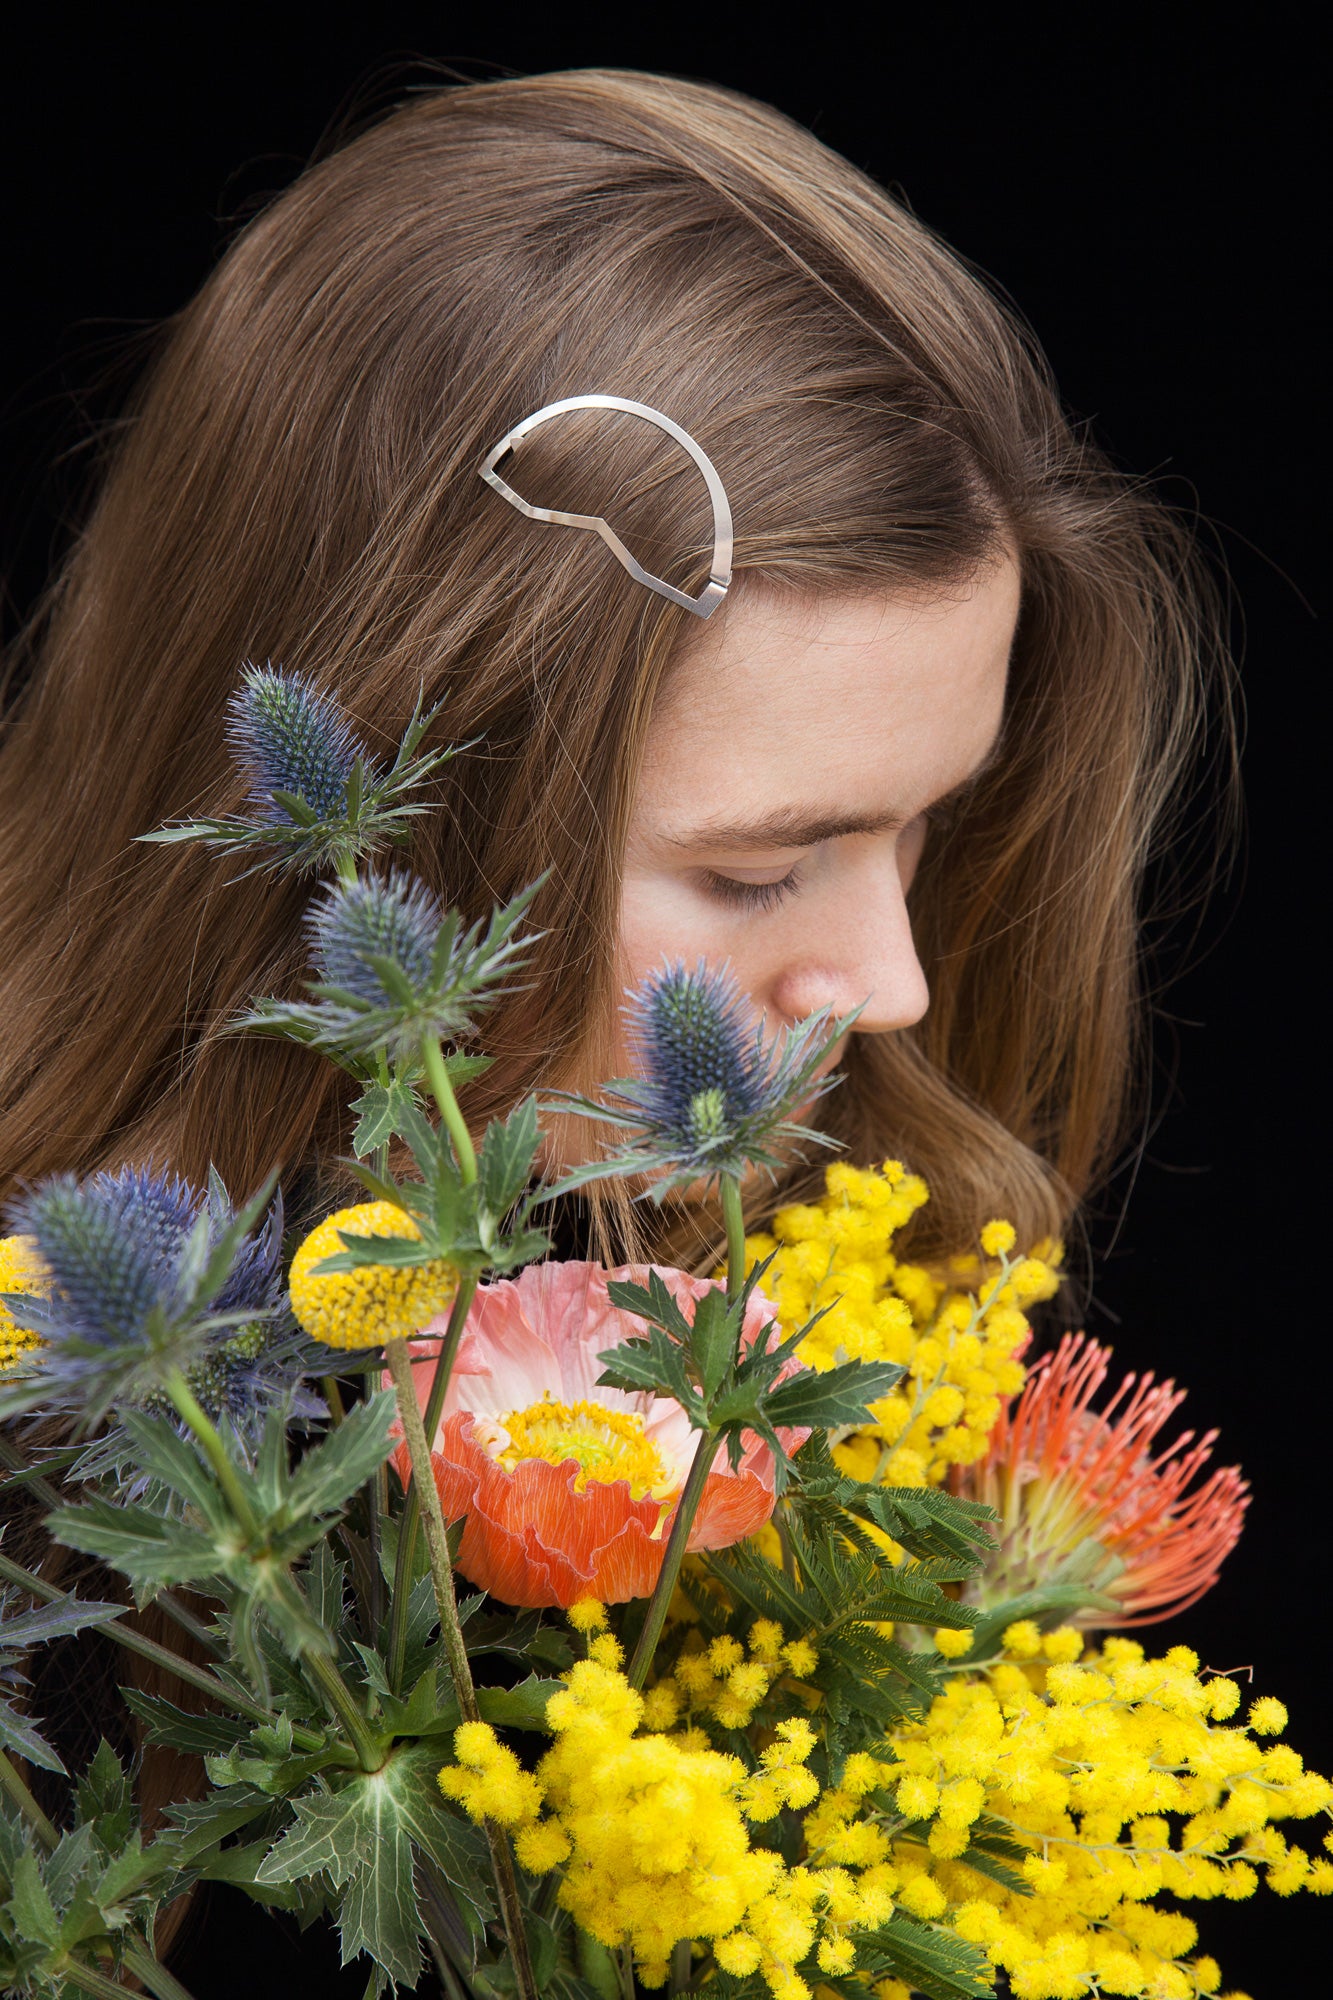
column 343, row 1460
column 521, row 1707
column 33, row 1911
column 141, row 1544
column 836, row 1396
column 362, row 1836
column 54, row 1621
column 195, row 1735
column 714, row 1338
column 382, row 1109
column 160, row 1449
column 18, row 1734
column 504, row 1160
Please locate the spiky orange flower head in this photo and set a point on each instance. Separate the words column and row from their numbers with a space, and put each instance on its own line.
column 568, row 1487
column 1085, row 1495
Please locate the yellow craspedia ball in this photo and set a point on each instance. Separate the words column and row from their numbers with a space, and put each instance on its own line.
column 378, row 1302
column 20, row 1271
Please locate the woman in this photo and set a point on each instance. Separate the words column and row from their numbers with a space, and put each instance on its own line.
column 946, row 605
column 914, row 764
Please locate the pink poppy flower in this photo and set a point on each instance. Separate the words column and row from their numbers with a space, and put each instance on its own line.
column 567, row 1489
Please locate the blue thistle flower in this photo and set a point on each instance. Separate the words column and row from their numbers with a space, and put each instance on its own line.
column 395, row 971
column 697, row 1052
column 288, row 736
column 145, row 1276
column 358, row 923
column 318, row 800
column 712, row 1097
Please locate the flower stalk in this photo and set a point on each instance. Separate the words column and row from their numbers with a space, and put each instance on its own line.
column 437, row 1542
column 12, row 1784
column 700, row 1467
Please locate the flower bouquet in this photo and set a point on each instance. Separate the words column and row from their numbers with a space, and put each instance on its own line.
column 567, row 1631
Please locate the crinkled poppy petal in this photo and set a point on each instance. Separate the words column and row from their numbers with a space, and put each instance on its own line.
column 529, row 1538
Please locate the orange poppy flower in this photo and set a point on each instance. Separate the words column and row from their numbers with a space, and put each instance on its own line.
column 566, row 1488
column 1087, row 1493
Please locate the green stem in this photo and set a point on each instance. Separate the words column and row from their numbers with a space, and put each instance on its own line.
column 160, row 1656
column 345, row 869
column 735, row 1218
column 443, row 1092
column 89, row 1980
column 333, row 1396
column 446, row 1603
column 228, row 1478
column 370, row 1754
column 12, row 1783
column 686, row 1509
column 705, row 1452
column 162, row 1984
column 437, row 1542
column 410, row 1520
column 682, row 1966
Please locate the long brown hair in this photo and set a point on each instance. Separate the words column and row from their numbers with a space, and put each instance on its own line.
column 296, row 481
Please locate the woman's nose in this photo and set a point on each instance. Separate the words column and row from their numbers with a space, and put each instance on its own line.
column 865, row 954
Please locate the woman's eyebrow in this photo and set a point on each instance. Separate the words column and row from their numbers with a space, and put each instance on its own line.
column 791, row 826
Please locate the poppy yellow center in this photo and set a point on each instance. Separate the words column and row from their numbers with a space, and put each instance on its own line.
column 604, row 1444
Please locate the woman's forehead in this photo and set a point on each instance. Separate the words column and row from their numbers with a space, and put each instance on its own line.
column 865, row 707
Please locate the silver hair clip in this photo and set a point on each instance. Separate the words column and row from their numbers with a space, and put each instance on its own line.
column 719, row 581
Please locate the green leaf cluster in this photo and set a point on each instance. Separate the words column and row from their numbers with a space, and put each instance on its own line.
column 727, row 1388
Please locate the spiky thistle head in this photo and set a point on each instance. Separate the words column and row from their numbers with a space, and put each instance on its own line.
column 395, row 970
column 141, row 1275
column 288, row 737
column 713, row 1096
column 362, row 933
column 700, row 1056
column 318, row 800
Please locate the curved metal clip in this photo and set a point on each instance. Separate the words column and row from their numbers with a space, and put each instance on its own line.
column 719, row 580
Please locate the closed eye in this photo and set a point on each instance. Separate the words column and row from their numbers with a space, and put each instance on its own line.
column 759, row 896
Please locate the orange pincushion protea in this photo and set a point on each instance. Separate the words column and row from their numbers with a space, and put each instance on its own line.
column 567, row 1488
column 1081, row 1495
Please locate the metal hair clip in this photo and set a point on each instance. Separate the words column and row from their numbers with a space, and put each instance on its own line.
column 719, row 581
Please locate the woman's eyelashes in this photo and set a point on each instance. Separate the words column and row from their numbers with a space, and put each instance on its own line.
column 760, row 896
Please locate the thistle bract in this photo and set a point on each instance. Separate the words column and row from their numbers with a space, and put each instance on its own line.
column 713, row 1095
column 143, row 1275
column 289, row 737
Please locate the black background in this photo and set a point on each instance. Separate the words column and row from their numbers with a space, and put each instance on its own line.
column 1141, row 187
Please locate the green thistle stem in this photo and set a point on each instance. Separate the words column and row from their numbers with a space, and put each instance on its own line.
column 411, row 1515
column 89, row 1980
column 704, row 1454
column 735, row 1220
column 228, row 1478
column 687, row 1507
column 162, row 1984
column 443, row 1092
column 437, row 1541
column 344, row 867
column 12, row 1784
column 370, row 1754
